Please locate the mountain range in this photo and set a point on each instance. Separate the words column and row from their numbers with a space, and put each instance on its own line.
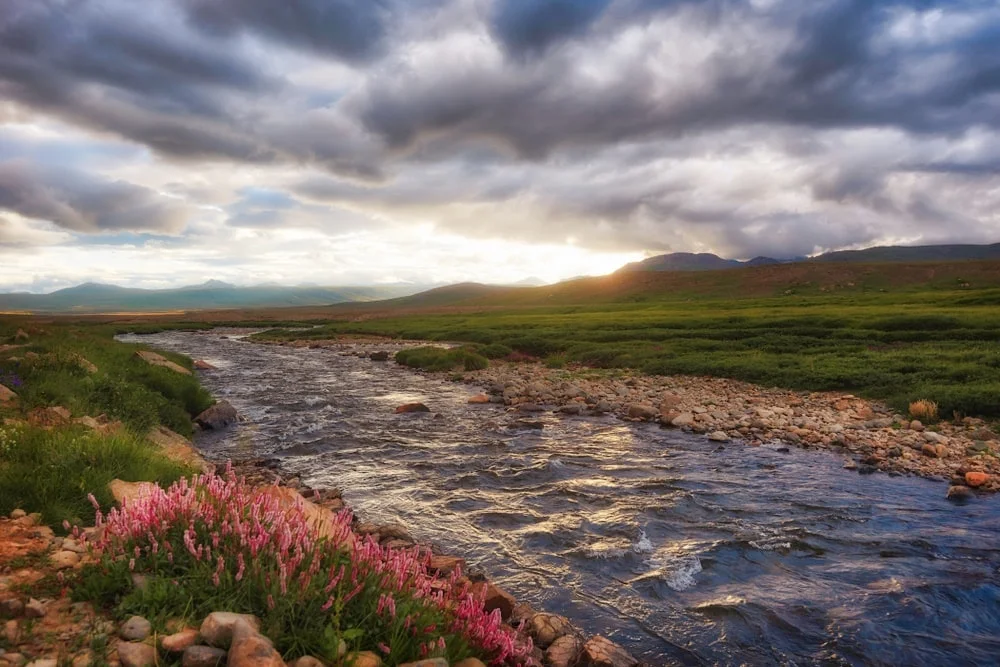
column 686, row 261
column 213, row 294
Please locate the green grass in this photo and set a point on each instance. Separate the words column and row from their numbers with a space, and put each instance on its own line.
column 934, row 344
column 52, row 471
column 48, row 372
column 440, row 359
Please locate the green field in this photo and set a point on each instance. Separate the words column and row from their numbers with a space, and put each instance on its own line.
column 939, row 344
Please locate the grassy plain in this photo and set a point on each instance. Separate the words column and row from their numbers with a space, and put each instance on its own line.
column 935, row 341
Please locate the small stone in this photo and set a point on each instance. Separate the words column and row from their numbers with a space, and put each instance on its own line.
column 976, row 479
column 642, row 411
column 308, row 660
column 915, row 425
column 34, row 608
column 217, row 628
column 546, row 628
column 366, row 659
column 179, row 641
column 683, row 419
column 251, row 649
column 411, row 407
column 135, row 654
column 44, row 662
column 718, row 436
column 18, row 513
column 959, row 492
column 203, row 656
column 602, row 652
column 11, row 608
column 929, row 450
column 564, row 651
column 11, row 632
column 63, row 560
column 135, row 629
column 478, row 399
column 203, row 365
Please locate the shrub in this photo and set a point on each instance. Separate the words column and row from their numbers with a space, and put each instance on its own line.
column 218, row 543
column 439, row 359
column 924, row 410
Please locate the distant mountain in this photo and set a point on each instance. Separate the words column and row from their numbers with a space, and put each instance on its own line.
column 686, row 261
column 213, row 294
column 920, row 253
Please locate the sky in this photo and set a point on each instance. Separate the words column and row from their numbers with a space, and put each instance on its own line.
column 166, row 142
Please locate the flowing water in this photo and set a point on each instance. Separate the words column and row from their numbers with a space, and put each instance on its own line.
column 683, row 551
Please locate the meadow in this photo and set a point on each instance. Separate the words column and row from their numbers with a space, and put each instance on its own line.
column 937, row 344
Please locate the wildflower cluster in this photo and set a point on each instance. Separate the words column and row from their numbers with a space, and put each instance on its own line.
column 11, row 380
column 221, row 544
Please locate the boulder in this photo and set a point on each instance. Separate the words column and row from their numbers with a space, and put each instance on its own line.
column 445, row 565
column 564, row 651
column 683, row 419
column 976, row 479
column 203, row 656
column 411, row 407
column 498, row 598
column 49, row 417
column 34, row 609
column 959, row 492
column 602, row 652
column 180, row 641
column 135, row 629
column 175, row 447
column 249, row 648
column 218, row 627
column 135, row 654
column 63, row 560
column 379, row 356
column 202, row 365
column 123, row 491
column 11, row 608
column 545, row 628
column 478, row 399
column 718, row 436
column 642, row 411
column 154, row 359
column 7, row 397
column 929, row 450
column 217, row 417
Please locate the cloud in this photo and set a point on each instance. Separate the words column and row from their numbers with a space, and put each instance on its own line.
column 82, row 203
column 533, row 25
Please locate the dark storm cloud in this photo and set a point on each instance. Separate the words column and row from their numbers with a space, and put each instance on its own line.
column 79, row 202
column 624, row 124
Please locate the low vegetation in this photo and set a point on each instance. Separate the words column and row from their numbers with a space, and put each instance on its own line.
column 943, row 346
column 924, row 410
column 217, row 544
column 431, row 358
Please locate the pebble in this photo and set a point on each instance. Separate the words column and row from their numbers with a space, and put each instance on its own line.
column 134, row 654
column 203, row 656
column 179, row 641
column 135, row 629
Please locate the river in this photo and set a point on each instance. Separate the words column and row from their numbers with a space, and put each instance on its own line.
column 683, row 551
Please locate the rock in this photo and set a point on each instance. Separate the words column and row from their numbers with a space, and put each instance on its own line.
column 602, row 652
column 642, row 411
column 915, row 425
column 929, row 450
column 411, row 407
column 63, row 560
column 530, row 407
column 394, row 531
column 470, row 662
column 34, row 609
column 307, row 660
column 123, row 491
column 16, row 659
column 7, row 397
column 976, row 479
column 204, row 365
column 49, row 417
column 366, row 659
column 983, row 434
column 18, row 513
column 718, row 436
column 564, row 651
column 203, row 656
column 134, row 654
column 154, row 359
column 571, row 408
column 683, row 419
column 135, row 629
column 44, row 662
column 84, row 659
column 21, row 336
column 934, row 438
column 180, row 641
column 545, row 628
column 217, row 628
column 959, row 492
column 498, row 598
column 379, row 356
column 478, row 399
column 251, row 649
column 85, row 364
column 217, row 417
column 446, row 564
column 11, row 632
column 11, row 608
column 428, row 662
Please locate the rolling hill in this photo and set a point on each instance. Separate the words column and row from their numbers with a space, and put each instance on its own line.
column 214, row 294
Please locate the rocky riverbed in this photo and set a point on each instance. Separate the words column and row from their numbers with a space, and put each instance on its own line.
column 872, row 437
